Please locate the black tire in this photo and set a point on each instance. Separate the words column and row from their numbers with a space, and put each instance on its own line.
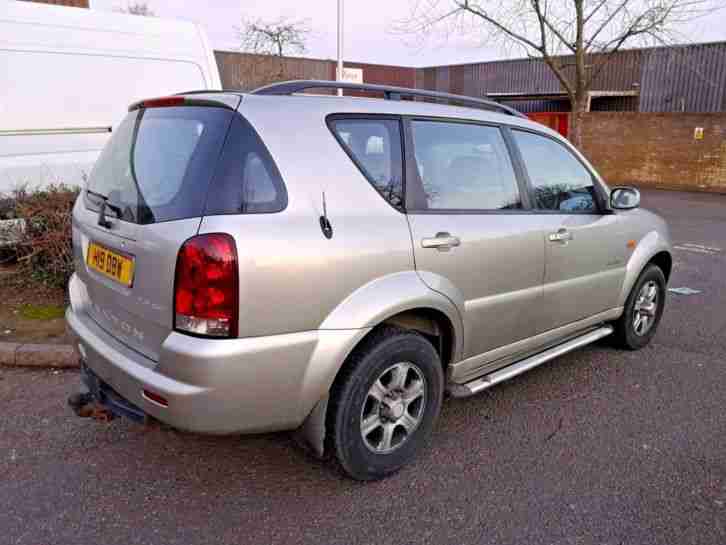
column 382, row 351
column 625, row 335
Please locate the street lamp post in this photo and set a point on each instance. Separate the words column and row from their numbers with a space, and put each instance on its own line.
column 340, row 44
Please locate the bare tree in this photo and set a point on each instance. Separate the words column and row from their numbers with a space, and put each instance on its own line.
column 138, row 8
column 277, row 37
column 575, row 38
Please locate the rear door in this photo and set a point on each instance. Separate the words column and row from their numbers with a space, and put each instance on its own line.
column 585, row 249
column 144, row 198
column 473, row 238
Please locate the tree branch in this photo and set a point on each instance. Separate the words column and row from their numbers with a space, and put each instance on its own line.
column 467, row 7
column 273, row 37
column 605, row 23
column 542, row 17
column 634, row 29
column 595, row 10
column 556, row 69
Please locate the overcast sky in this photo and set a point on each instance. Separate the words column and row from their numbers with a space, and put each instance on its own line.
column 367, row 28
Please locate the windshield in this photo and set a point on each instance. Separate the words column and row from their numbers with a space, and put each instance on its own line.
column 159, row 163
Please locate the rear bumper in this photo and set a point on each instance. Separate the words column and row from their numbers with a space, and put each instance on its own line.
column 219, row 386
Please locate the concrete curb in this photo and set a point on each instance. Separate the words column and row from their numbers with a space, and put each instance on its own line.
column 44, row 356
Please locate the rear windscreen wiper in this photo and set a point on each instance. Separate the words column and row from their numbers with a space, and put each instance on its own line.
column 102, row 221
column 116, row 209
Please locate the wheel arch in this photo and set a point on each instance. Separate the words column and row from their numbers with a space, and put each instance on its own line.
column 652, row 248
column 664, row 260
column 440, row 327
column 402, row 300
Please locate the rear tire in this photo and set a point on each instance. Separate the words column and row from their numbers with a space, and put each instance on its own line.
column 643, row 310
column 384, row 403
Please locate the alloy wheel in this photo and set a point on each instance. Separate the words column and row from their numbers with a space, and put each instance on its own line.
column 646, row 307
column 393, row 408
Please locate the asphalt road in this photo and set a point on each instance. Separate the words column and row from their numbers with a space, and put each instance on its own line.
column 599, row 446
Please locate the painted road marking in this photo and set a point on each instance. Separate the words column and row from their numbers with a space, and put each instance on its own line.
column 684, row 291
column 698, row 248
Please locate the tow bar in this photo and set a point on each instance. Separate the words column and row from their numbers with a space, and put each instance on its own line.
column 99, row 401
column 86, row 406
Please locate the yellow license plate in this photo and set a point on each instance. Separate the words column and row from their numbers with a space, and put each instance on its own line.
column 112, row 264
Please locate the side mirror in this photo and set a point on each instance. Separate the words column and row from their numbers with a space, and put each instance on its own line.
column 624, row 198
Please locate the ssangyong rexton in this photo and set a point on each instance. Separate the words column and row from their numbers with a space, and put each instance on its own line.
column 279, row 260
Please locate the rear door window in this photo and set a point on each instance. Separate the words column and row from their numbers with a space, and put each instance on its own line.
column 375, row 146
column 159, row 163
column 464, row 166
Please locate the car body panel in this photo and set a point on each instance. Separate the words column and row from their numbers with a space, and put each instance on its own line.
column 651, row 235
column 583, row 276
column 495, row 273
column 285, row 261
column 217, row 386
column 387, row 296
column 141, row 315
column 470, row 368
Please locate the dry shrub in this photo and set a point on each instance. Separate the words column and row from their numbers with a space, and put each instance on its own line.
column 44, row 250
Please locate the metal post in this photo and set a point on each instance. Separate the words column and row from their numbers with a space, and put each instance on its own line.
column 340, row 45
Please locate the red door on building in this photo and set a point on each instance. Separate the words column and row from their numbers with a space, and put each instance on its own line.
column 557, row 121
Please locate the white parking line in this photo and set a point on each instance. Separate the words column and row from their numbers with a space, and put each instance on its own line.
column 684, row 291
column 698, row 248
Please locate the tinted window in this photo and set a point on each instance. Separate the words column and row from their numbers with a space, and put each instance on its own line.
column 158, row 164
column 247, row 180
column 464, row 167
column 559, row 180
column 376, row 146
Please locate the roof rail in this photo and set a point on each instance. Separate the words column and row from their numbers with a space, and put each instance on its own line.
column 389, row 93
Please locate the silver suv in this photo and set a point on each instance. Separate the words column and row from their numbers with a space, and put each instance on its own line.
column 281, row 260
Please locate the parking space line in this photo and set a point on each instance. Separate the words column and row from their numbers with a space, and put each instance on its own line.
column 697, row 248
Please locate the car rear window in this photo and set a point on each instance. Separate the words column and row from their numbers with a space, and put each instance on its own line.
column 159, row 163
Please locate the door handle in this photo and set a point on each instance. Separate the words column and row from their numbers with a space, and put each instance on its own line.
column 562, row 235
column 442, row 242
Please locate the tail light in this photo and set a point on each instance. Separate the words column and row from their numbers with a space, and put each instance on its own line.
column 206, row 288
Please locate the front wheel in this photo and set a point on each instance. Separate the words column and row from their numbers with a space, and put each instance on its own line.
column 384, row 404
column 643, row 310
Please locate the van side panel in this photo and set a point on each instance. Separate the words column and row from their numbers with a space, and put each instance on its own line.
column 214, row 80
column 80, row 71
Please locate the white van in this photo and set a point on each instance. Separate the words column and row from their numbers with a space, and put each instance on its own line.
column 67, row 76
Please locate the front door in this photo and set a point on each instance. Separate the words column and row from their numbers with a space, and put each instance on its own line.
column 473, row 239
column 585, row 250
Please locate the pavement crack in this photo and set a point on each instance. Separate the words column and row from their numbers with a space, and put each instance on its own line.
column 556, row 430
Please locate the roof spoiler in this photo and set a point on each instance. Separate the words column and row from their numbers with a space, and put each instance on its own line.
column 208, row 98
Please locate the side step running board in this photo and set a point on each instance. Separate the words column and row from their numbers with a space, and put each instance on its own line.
column 487, row 381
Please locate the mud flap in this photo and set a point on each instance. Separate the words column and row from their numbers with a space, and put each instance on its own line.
column 311, row 434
